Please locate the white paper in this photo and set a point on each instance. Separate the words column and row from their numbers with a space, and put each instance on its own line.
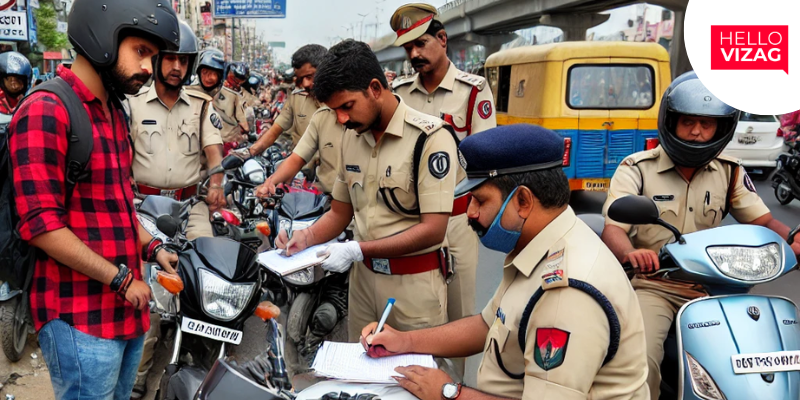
column 349, row 362
column 275, row 261
column 385, row 392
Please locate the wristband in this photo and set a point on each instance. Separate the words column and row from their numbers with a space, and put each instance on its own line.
column 118, row 280
column 215, row 187
column 123, row 290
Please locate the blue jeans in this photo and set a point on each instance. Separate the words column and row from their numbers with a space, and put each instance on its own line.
column 84, row 367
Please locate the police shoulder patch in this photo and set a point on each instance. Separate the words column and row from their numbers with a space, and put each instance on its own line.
column 215, row 120
column 551, row 347
column 485, row 109
column 554, row 270
column 439, row 164
column 426, row 123
column 748, row 183
column 470, row 79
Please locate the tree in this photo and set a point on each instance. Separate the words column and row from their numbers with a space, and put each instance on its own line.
column 47, row 22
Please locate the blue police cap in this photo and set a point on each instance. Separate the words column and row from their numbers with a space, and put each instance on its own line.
column 509, row 149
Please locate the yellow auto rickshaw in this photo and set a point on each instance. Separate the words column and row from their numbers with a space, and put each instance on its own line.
column 602, row 97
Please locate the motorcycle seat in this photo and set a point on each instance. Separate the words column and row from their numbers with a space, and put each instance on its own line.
column 302, row 205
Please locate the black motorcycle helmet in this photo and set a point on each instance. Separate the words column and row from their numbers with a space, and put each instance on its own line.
column 96, row 26
column 214, row 60
column 688, row 96
column 13, row 63
column 188, row 47
column 239, row 69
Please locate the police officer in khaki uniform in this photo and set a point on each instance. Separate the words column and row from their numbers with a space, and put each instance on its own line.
column 694, row 187
column 300, row 105
column 583, row 332
column 323, row 139
column 210, row 66
column 230, row 103
column 250, row 91
column 465, row 102
column 401, row 209
column 172, row 128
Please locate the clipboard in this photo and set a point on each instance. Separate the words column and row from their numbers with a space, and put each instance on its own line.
column 275, row 261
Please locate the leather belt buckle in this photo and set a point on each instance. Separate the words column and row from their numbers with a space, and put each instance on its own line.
column 169, row 193
column 381, row 266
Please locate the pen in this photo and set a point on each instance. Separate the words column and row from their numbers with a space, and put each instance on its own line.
column 385, row 315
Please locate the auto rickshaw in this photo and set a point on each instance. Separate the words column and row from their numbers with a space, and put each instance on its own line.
column 602, row 97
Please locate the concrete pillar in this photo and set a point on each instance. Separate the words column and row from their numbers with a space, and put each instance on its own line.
column 574, row 26
column 678, row 58
column 492, row 43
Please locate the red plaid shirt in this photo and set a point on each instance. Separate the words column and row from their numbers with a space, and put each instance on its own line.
column 6, row 106
column 100, row 212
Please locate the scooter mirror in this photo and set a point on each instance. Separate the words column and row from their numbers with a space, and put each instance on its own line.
column 231, row 162
column 634, row 210
column 167, row 225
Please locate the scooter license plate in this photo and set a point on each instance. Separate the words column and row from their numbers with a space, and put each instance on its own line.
column 210, row 331
column 766, row 363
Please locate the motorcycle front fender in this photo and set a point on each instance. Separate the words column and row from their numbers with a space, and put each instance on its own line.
column 713, row 329
column 183, row 384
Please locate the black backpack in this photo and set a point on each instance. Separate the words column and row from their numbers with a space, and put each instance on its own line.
column 16, row 256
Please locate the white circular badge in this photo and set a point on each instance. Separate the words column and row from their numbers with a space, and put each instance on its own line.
column 747, row 53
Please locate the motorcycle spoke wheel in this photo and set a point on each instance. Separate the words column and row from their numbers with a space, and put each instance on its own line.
column 14, row 327
column 784, row 196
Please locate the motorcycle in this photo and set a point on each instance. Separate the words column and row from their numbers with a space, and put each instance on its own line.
column 786, row 180
column 220, row 287
column 728, row 345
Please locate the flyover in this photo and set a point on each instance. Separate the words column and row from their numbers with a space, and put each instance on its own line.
column 491, row 23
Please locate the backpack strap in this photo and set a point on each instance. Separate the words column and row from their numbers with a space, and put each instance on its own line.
column 731, row 187
column 80, row 138
column 418, row 149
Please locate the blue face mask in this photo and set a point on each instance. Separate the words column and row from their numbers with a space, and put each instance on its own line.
column 498, row 238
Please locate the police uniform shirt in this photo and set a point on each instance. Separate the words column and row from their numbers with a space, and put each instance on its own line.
column 230, row 104
column 451, row 100
column 201, row 89
column 168, row 143
column 324, row 137
column 250, row 100
column 689, row 206
column 377, row 178
column 296, row 113
column 568, row 332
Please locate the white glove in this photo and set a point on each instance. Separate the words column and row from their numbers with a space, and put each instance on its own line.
column 243, row 153
column 341, row 256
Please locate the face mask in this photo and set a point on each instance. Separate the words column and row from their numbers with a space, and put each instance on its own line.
column 496, row 237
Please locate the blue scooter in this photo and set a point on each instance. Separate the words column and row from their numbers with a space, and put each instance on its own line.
column 729, row 345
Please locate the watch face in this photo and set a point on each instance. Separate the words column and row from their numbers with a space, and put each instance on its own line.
column 450, row 390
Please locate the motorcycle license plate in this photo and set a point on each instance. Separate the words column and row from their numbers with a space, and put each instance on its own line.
column 210, row 331
column 595, row 185
column 766, row 363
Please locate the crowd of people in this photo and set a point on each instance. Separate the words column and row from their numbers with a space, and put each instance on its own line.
column 416, row 165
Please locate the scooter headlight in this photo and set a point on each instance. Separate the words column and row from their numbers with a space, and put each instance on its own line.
column 302, row 277
column 222, row 299
column 747, row 263
column 702, row 383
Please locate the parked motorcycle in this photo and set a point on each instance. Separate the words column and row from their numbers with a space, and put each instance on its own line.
column 728, row 345
column 786, row 179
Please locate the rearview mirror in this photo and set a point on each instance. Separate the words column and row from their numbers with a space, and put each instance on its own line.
column 231, row 162
column 634, row 210
column 167, row 225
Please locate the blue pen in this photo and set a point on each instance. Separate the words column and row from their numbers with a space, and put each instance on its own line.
column 385, row 315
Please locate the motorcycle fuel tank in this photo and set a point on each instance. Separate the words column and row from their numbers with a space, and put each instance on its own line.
column 739, row 347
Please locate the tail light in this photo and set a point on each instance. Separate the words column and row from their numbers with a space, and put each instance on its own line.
column 567, row 151
column 230, row 218
column 651, row 143
column 780, row 132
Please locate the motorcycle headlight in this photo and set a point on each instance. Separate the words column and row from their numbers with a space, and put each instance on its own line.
column 222, row 299
column 702, row 383
column 256, row 177
column 302, row 277
column 747, row 263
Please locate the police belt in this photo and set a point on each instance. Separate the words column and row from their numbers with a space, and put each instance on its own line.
column 436, row 259
column 177, row 194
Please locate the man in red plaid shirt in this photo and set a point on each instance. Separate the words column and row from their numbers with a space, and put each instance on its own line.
column 88, row 301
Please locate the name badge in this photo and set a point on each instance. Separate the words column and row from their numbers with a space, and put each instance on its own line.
column 664, row 197
column 149, row 122
column 353, row 168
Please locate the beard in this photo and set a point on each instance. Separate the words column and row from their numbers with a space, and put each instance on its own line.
column 477, row 227
column 127, row 84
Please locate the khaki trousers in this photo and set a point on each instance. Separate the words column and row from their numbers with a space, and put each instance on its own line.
column 462, row 242
column 199, row 222
column 658, row 311
column 420, row 300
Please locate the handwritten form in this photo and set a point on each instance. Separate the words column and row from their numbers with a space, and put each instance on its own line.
column 349, row 362
column 277, row 262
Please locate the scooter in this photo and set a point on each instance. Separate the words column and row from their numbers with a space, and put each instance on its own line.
column 786, row 180
column 729, row 345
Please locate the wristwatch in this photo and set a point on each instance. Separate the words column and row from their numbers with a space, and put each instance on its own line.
column 451, row 391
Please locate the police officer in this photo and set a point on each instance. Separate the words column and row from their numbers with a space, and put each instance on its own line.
column 15, row 79
column 694, row 187
column 210, row 66
column 230, row 103
column 250, row 91
column 583, row 331
column 172, row 128
column 400, row 220
column 300, row 105
column 465, row 102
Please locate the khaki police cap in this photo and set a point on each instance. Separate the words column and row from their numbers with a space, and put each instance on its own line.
column 411, row 21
